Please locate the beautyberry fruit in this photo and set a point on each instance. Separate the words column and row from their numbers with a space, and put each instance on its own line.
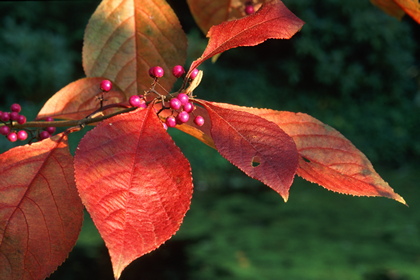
column 5, row 116
column 175, row 103
column 170, row 121
column 194, row 73
column 12, row 136
column 4, row 130
column 22, row 135
column 137, row 101
column 199, row 120
column 183, row 98
column 183, row 117
column 156, row 72
column 249, row 9
column 189, row 107
column 21, row 119
column 49, row 119
column 15, row 108
column 106, row 85
column 14, row 116
column 44, row 135
column 50, row 129
column 178, row 71
column 165, row 126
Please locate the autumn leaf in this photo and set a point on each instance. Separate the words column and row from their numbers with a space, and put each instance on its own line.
column 207, row 13
column 135, row 183
column 272, row 21
column 326, row 157
column 124, row 38
column 256, row 146
column 40, row 210
column 397, row 8
column 79, row 99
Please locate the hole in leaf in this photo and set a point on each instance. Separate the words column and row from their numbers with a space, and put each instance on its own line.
column 305, row 159
column 256, row 161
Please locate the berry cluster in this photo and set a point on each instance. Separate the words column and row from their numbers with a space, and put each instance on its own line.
column 13, row 116
column 181, row 108
column 48, row 131
column 178, row 71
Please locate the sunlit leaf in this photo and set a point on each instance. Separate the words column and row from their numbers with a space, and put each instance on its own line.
column 272, row 21
column 411, row 7
column 79, row 99
column 40, row 211
column 256, row 146
column 389, row 7
column 124, row 38
column 135, row 183
column 327, row 157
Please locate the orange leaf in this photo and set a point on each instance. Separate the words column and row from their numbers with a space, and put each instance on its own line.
column 135, row 183
column 389, row 7
column 40, row 211
column 256, row 146
column 124, row 38
column 411, row 7
column 272, row 21
column 78, row 99
column 209, row 12
column 327, row 157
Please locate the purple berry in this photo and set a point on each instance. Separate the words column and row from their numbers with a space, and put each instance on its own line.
column 189, row 107
column 15, row 108
column 12, row 136
column 249, row 9
column 156, row 72
column 22, row 135
column 106, row 85
column 5, row 116
column 194, row 73
column 4, row 130
column 175, row 103
column 137, row 101
column 49, row 119
column 183, row 98
column 44, row 135
column 50, row 129
column 199, row 120
column 178, row 71
column 21, row 119
column 14, row 116
column 170, row 121
column 183, row 117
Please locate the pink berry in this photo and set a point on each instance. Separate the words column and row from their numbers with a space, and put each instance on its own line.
column 183, row 98
column 22, row 135
column 189, row 107
column 14, row 116
column 199, row 120
column 137, row 101
column 15, row 108
column 12, row 136
column 194, row 73
column 183, row 117
column 156, row 72
column 44, row 135
column 4, row 130
column 50, row 129
column 49, row 119
column 106, row 85
column 178, row 71
column 21, row 119
column 249, row 9
column 5, row 116
column 170, row 121
column 165, row 126
column 175, row 103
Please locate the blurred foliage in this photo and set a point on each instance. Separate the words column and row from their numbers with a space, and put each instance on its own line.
column 351, row 67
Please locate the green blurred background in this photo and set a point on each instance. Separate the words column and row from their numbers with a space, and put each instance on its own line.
column 352, row 67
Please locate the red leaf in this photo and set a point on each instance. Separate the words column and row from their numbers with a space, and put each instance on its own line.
column 124, row 38
column 78, row 99
column 272, row 21
column 135, row 183
column 256, row 146
column 40, row 211
column 209, row 12
column 327, row 157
